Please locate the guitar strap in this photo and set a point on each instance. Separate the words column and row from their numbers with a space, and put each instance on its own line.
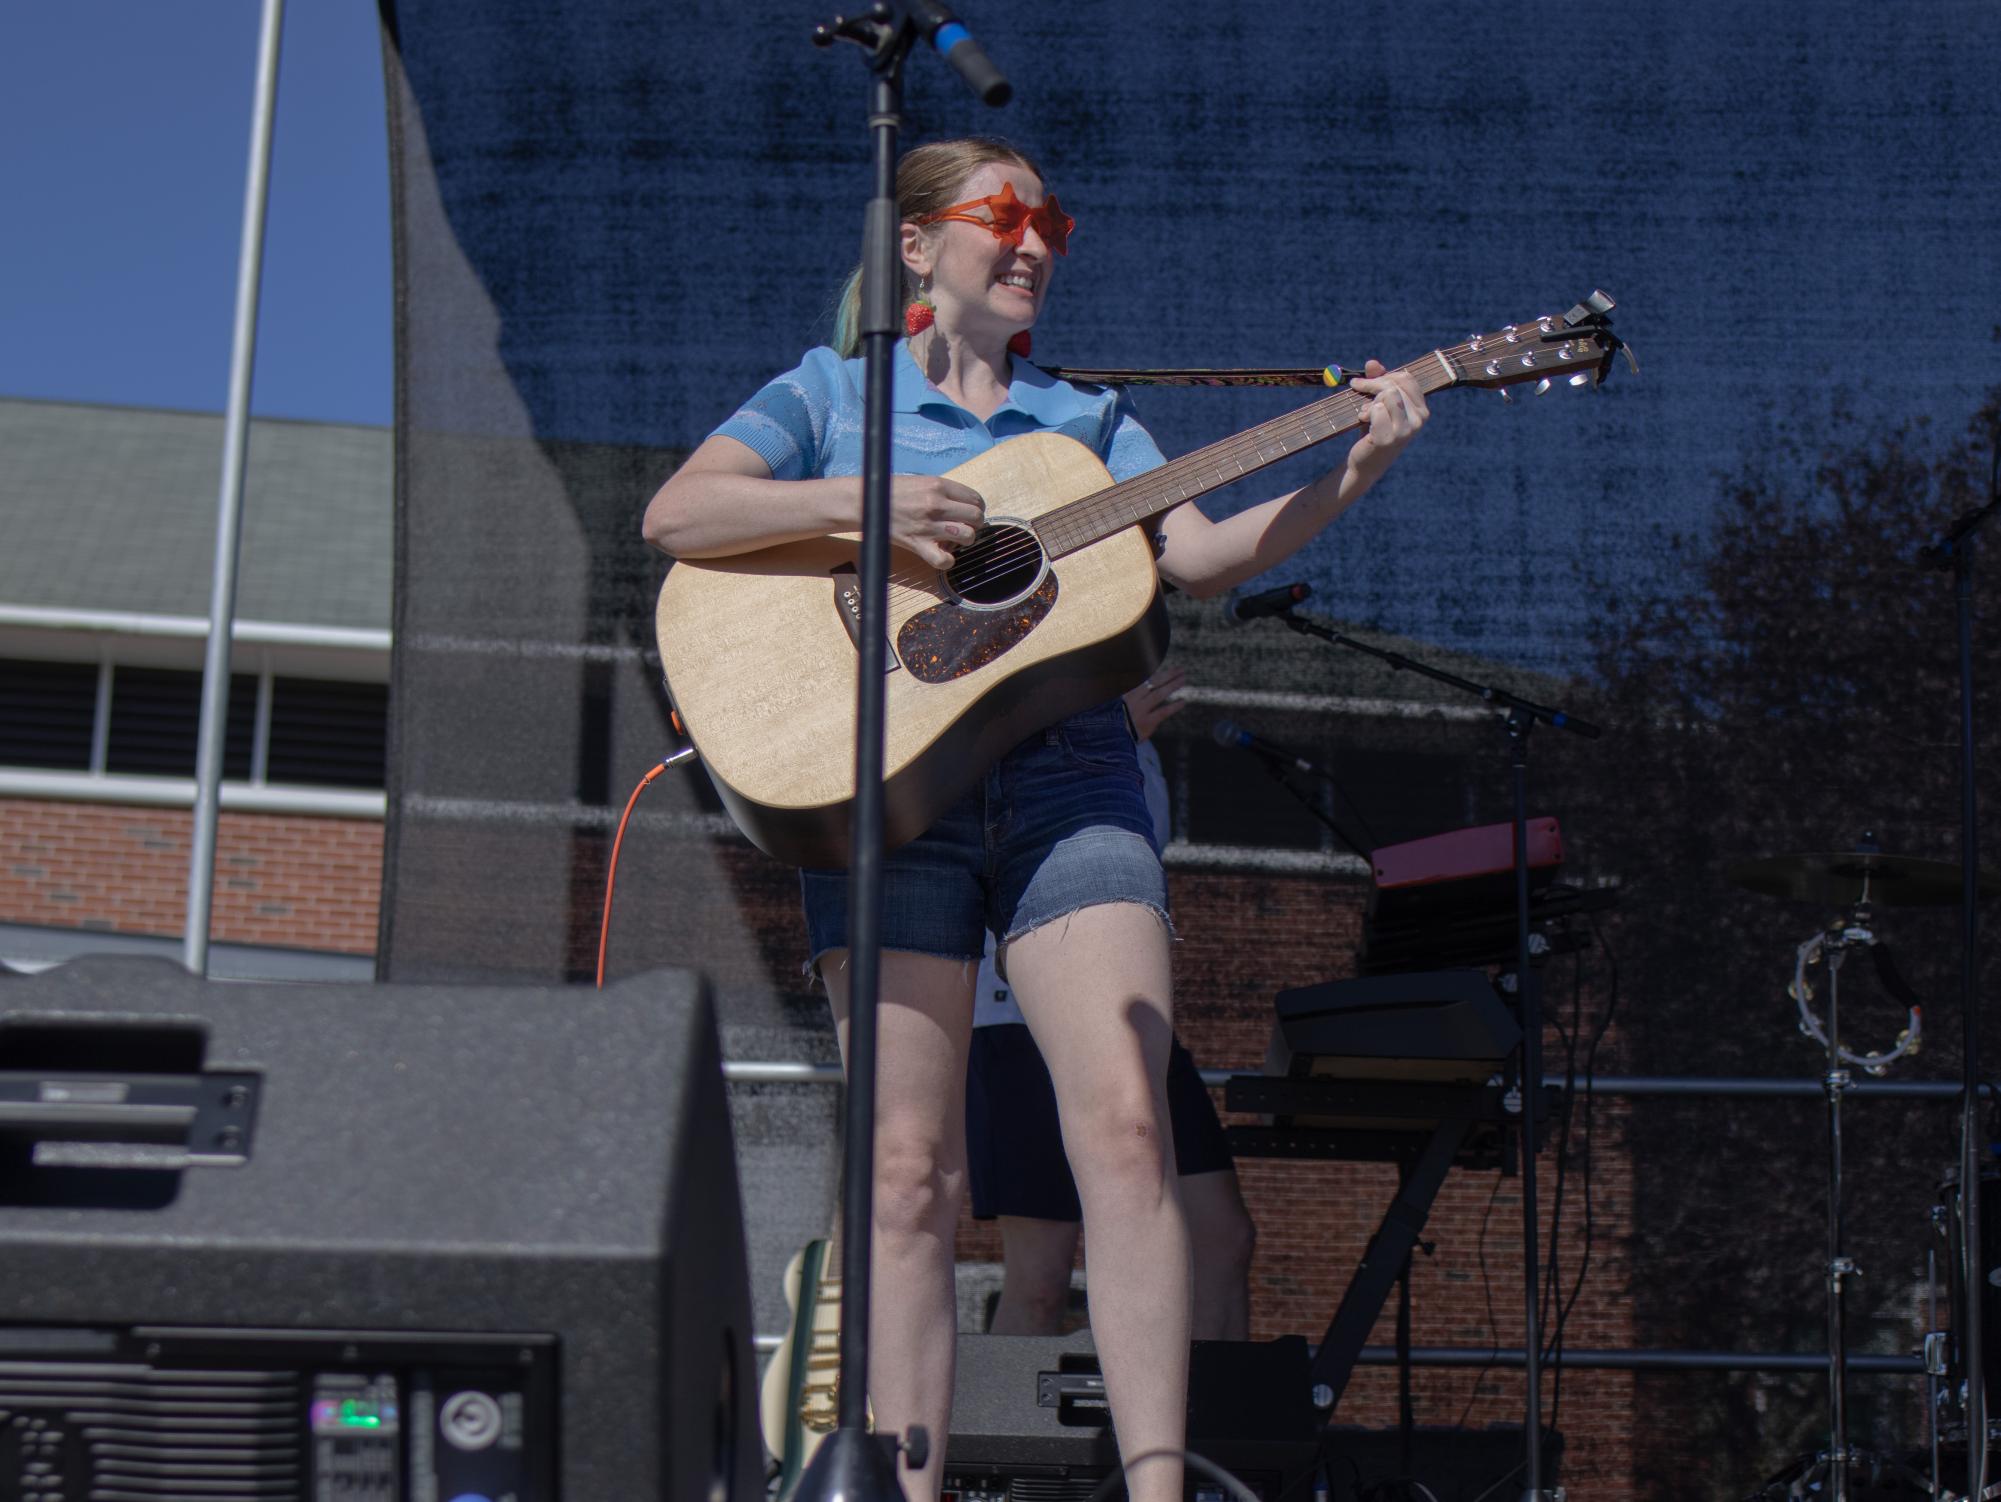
column 1328, row 375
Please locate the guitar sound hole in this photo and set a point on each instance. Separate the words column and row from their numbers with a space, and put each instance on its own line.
column 1000, row 565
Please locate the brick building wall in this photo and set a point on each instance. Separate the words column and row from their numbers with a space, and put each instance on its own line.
column 294, row 880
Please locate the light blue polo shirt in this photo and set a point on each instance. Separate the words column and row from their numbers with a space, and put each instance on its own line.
column 807, row 423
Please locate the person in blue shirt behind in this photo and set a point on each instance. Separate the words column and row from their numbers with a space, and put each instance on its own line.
column 1053, row 849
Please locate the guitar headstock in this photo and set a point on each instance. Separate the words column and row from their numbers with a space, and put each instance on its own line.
column 1574, row 348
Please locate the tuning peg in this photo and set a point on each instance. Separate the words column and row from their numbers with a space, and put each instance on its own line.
column 1582, row 378
column 1506, row 395
column 1542, row 387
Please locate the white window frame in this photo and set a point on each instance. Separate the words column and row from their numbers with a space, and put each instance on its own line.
column 267, row 649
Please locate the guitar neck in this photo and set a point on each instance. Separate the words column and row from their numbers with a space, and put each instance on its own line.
column 1094, row 517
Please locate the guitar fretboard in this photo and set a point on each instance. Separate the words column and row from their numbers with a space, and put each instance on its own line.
column 1102, row 513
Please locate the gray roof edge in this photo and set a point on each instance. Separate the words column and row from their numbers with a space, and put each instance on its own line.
column 257, row 419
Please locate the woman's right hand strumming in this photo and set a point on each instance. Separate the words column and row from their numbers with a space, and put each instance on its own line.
column 723, row 500
column 933, row 517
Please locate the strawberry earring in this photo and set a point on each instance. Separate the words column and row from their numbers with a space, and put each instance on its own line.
column 919, row 315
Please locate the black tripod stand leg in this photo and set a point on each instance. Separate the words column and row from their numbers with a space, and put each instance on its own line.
column 1389, row 1249
column 1406, row 1411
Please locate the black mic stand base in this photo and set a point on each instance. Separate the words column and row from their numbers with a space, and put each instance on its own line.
column 852, row 1464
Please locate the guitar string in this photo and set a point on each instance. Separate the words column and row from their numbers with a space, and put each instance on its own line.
column 1086, row 513
column 975, row 555
column 997, row 558
column 1228, row 450
column 1007, row 549
column 1104, row 517
column 1072, row 526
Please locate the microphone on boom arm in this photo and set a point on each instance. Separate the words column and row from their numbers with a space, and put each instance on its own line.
column 1230, row 734
column 1265, row 603
column 948, row 35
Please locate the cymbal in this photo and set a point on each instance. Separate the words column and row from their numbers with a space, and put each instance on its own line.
column 1843, row 878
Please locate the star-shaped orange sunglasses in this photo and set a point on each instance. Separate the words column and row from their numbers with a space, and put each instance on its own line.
column 1010, row 218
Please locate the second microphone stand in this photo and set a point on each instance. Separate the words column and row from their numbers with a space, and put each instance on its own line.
column 1520, row 718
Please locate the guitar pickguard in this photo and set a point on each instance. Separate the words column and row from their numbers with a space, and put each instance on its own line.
column 948, row 640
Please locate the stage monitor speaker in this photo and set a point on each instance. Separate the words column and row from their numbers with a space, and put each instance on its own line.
column 1029, row 1421
column 393, row 1243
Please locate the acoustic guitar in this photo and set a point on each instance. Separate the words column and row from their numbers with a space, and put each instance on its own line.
column 1053, row 607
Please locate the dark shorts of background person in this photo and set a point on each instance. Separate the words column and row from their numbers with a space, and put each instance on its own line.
column 1014, row 1147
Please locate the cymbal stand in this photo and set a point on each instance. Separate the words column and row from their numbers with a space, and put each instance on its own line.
column 1954, row 552
column 1934, row 1351
column 1832, row 946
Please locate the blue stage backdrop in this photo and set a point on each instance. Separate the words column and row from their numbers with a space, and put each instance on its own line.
column 616, row 219
column 1789, row 201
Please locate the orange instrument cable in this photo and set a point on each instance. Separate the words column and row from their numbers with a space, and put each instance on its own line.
column 611, row 872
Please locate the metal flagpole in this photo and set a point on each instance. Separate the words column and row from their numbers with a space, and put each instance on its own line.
column 229, row 511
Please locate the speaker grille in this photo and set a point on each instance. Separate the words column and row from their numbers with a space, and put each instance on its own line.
column 1056, row 1488
column 119, row 1433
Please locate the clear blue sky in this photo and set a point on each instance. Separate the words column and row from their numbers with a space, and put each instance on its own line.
column 124, row 141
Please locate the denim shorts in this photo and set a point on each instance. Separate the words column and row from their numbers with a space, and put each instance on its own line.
column 1058, row 824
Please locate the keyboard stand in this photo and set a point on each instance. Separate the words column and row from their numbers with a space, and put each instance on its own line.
column 1452, row 1112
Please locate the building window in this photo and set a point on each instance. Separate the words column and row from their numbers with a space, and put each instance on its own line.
column 109, row 719
column 156, row 720
column 47, row 713
column 328, row 734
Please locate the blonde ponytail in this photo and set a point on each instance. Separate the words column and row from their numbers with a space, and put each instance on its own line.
column 848, row 316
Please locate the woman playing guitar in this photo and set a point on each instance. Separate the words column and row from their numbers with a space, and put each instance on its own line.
column 1052, row 849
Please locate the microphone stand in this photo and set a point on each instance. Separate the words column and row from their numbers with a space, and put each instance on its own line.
column 1954, row 551
column 1520, row 719
column 1276, row 770
column 851, row 1464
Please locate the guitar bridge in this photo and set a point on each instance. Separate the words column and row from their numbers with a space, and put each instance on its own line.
column 848, row 604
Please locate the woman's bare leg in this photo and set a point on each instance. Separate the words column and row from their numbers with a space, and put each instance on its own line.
column 924, row 1024
column 1093, row 987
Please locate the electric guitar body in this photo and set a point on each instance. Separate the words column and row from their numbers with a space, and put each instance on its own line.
column 761, row 650
column 799, row 1400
